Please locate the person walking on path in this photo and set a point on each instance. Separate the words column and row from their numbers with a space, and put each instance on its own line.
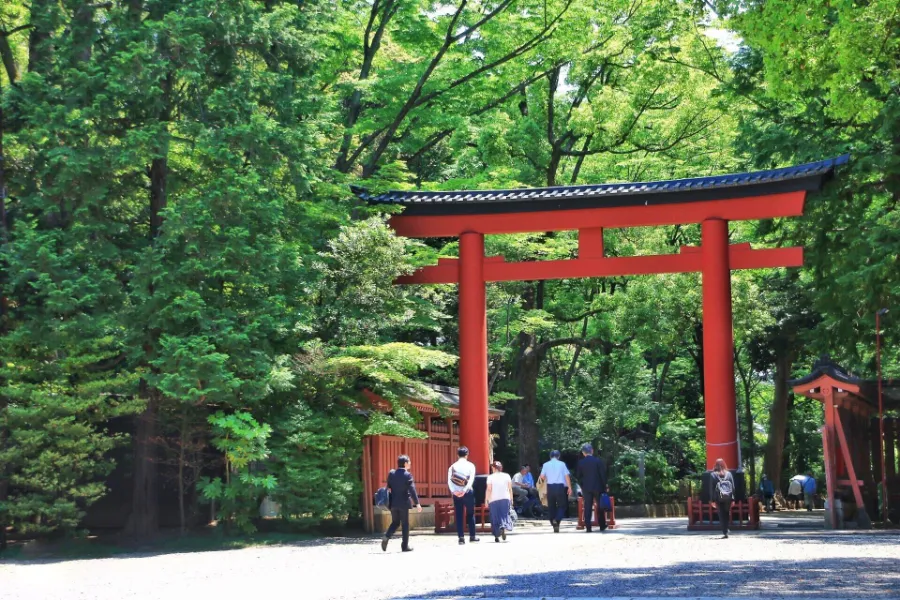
column 556, row 474
column 499, row 498
column 809, row 491
column 591, row 474
column 460, row 479
column 723, row 493
column 402, row 490
column 767, row 492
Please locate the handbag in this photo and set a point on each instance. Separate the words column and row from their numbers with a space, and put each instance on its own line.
column 459, row 479
column 605, row 503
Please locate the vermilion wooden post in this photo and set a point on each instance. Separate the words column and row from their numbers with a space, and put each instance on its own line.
column 718, row 347
column 473, row 391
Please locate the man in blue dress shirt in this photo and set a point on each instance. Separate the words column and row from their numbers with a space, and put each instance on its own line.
column 559, row 482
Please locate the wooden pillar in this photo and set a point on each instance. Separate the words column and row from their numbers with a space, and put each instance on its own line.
column 453, row 444
column 828, row 452
column 473, row 390
column 718, row 347
column 429, row 469
column 890, row 446
column 590, row 242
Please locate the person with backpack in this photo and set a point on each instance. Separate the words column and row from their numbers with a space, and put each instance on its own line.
column 723, row 493
column 401, row 492
column 460, row 479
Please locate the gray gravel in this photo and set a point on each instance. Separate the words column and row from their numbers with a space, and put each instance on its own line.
column 644, row 558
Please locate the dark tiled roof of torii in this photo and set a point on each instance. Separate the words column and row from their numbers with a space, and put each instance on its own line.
column 809, row 177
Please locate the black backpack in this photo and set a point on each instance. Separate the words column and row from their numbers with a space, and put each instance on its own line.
column 724, row 489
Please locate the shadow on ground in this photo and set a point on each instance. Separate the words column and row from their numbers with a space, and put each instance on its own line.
column 833, row 577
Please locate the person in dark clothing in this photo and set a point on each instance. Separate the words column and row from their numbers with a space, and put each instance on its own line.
column 723, row 493
column 591, row 474
column 402, row 490
column 767, row 493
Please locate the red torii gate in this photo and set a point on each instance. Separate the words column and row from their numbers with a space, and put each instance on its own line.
column 710, row 201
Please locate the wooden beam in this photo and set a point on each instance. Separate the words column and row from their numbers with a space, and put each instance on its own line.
column 737, row 209
column 447, row 270
column 851, row 469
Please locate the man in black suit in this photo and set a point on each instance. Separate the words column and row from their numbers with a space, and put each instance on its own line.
column 402, row 489
column 591, row 473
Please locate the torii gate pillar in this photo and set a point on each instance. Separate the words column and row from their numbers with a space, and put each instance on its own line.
column 473, row 389
column 718, row 347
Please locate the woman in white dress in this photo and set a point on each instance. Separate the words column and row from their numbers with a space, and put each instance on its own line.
column 499, row 498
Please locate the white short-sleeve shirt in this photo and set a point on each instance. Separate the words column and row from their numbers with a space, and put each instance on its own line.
column 499, row 483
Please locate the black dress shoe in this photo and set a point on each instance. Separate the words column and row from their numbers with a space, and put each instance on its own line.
column 384, row 543
column 474, row 539
column 462, row 541
column 588, row 530
column 503, row 533
column 407, row 549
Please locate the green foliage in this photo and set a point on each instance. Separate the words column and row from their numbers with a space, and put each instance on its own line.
column 243, row 442
column 658, row 485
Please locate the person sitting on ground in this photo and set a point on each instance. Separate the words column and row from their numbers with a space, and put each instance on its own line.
column 498, row 497
column 523, row 485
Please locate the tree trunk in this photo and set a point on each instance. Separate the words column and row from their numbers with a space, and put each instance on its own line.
column 751, row 446
column 528, row 369
column 528, row 427
column 772, row 463
column 144, row 521
column 184, row 426
column 786, row 458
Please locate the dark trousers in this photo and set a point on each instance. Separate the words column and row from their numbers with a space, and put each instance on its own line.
column 725, row 515
column 399, row 516
column 589, row 499
column 557, row 501
column 467, row 503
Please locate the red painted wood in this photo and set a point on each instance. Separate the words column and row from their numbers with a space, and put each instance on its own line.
column 718, row 347
column 473, row 390
column 590, row 242
column 689, row 260
column 737, row 209
column 828, row 443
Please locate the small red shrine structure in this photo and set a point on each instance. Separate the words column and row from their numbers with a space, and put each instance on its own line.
column 710, row 201
column 430, row 456
column 850, row 435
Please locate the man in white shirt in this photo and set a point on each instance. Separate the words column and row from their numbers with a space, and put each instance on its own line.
column 460, row 479
column 523, row 484
column 556, row 474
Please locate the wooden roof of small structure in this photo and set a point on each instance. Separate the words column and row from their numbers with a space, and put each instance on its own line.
column 448, row 398
column 826, row 372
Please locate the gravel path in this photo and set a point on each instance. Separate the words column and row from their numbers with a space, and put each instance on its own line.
column 643, row 558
